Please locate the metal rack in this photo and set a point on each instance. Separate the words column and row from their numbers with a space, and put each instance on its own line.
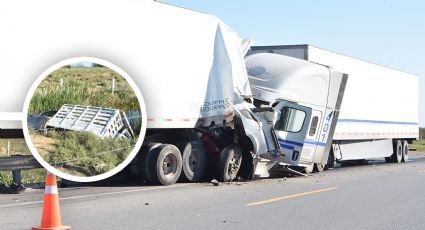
column 104, row 122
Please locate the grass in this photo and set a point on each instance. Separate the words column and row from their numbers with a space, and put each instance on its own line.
column 418, row 145
column 19, row 146
column 83, row 153
column 28, row 176
column 83, row 86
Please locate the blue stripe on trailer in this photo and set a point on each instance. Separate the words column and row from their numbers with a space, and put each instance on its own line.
column 378, row 122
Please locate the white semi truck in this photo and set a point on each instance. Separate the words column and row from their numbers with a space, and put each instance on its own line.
column 191, row 70
column 379, row 113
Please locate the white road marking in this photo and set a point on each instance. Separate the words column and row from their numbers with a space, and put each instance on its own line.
column 96, row 195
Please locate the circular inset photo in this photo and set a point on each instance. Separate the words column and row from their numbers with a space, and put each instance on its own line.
column 84, row 119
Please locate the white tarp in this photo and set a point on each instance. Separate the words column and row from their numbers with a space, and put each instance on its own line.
column 187, row 64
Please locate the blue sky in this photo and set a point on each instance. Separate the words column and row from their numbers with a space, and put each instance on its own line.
column 390, row 33
column 83, row 64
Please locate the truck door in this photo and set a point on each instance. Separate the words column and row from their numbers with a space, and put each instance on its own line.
column 291, row 129
column 312, row 137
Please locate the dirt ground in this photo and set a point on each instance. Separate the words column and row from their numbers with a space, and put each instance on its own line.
column 42, row 143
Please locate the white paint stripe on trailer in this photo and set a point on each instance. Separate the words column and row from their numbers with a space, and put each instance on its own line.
column 175, row 119
column 97, row 195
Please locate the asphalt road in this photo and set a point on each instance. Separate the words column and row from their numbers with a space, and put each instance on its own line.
column 371, row 196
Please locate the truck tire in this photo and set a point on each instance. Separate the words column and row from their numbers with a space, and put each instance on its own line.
column 143, row 165
column 309, row 169
column 398, row 152
column 164, row 164
column 319, row 167
column 229, row 163
column 405, row 151
column 194, row 161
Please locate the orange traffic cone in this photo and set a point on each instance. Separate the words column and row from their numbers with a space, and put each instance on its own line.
column 51, row 218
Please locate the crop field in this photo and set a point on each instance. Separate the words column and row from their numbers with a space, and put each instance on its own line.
column 84, row 153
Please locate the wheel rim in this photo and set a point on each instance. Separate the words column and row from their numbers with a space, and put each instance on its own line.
column 169, row 165
column 233, row 166
column 406, row 152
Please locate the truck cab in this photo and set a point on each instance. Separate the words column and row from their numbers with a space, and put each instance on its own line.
column 307, row 98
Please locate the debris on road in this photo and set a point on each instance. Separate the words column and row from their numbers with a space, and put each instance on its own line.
column 283, row 179
column 215, row 182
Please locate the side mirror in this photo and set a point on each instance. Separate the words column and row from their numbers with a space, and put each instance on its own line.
column 272, row 116
column 276, row 116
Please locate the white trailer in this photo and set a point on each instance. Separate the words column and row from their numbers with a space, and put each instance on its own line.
column 379, row 112
column 188, row 65
column 190, row 68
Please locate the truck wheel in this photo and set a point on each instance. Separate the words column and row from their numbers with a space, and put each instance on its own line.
column 309, row 169
column 229, row 163
column 194, row 161
column 405, row 151
column 165, row 164
column 398, row 152
column 143, row 164
column 319, row 167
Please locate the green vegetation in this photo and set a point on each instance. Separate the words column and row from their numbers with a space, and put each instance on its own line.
column 422, row 133
column 18, row 146
column 83, row 86
column 83, row 153
column 28, row 176
column 15, row 146
column 418, row 145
